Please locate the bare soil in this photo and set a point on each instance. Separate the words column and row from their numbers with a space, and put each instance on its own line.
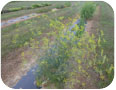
column 93, row 23
column 14, row 66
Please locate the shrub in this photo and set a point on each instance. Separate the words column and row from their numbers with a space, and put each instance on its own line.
column 87, row 10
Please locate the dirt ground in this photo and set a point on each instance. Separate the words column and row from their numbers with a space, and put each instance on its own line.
column 14, row 67
column 93, row 23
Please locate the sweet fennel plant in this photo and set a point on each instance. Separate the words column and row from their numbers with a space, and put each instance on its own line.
column 71, row 57
column 88, row 10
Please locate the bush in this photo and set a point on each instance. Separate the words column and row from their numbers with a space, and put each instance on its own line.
column 87, row 10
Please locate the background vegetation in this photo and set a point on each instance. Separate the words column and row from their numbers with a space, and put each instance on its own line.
column 69, row 60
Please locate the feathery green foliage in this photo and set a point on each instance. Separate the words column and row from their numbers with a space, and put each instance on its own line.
column 88, row 10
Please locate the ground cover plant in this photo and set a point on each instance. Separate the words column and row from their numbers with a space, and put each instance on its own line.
column 82, row 57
